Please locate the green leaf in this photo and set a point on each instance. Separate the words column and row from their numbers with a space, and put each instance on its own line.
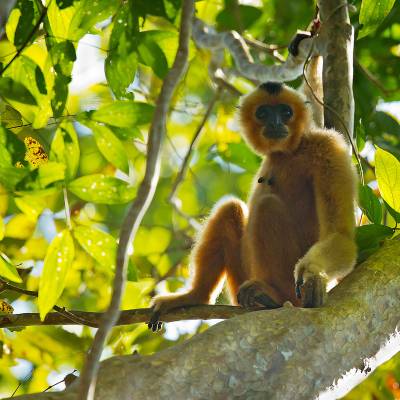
column 22, row 21
column 57, row 262
column 93, row 11
column 63, row 56
column 372, row 13
column 109, row 145
column 51, row 172
column 10, row 176
column 150, row 54
column 124, row 114
column 227, row 19
column 162, row 8
column 5, row 157
column 13, row 90
column 369, row 237
column 121, row 63
column 393, row 213
column 102, row 189
column 370, row 204
column 387, row 170
column 65, row 149
column 7, row 270
column 64, row 3
column 40, row 81
column 100, row 245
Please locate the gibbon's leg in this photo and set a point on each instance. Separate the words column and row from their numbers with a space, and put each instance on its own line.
column 217, row 251
column 274, row 250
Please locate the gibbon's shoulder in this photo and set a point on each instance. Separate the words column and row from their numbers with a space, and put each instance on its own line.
column 324, row 143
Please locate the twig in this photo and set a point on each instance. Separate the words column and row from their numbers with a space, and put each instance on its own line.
column 140, row 205
column 126, row 317
column 70, row 316
column 27, row 40
column 205, row 36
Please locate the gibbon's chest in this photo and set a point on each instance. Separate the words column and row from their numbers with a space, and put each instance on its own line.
column 288, row 178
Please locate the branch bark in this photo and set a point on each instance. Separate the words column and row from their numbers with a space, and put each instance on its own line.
column 205, row 36
column 288, row 353
column 336, row 44
column 140, row 205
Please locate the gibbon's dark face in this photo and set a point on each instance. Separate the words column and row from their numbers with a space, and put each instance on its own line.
column 274, row 117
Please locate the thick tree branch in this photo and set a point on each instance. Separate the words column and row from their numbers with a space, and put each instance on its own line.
column 288, row 353
column 141, row 203
column 205, row 36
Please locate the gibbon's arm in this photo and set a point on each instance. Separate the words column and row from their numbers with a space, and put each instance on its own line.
column 334, row 255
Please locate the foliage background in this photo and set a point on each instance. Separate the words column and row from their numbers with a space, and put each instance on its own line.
column 72, row 159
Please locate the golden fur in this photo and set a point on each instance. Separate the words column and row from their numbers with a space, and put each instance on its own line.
column 298, row 227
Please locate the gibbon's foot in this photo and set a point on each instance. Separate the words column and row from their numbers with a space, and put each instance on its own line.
column 163, row 304
column 154, row 324
column 311, row 288
column 253, row 293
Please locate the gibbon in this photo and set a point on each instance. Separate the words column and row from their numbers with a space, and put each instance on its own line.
column 296, row 232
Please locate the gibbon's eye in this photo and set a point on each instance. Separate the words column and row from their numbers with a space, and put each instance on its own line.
column 263, row 112
column 285, row 111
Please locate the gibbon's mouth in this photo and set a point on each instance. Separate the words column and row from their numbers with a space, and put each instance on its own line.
column 269, row 133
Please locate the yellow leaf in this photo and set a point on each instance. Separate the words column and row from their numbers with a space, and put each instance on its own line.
column 57, row 262
column 19, row 227
column 7, row 270
column 387, row 170
column 5, row 308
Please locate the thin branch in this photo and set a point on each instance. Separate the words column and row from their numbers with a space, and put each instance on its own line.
column 70, row 316
column 126, row 317
column 140, row 205
column 206, row 37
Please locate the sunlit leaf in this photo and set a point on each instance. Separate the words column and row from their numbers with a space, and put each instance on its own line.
column 13, row 90
column 370, row 204
column 102, row 189
column 372, row 13
column 65, row 148
column 10, row 176
column 22, row 21
column 124, row 114
column 109, row 145
column 121, row 63
column 7, row 269
column 57, row 262
column 150, row 54
column 100, row 245
column 51, row 172
column 387, row 169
